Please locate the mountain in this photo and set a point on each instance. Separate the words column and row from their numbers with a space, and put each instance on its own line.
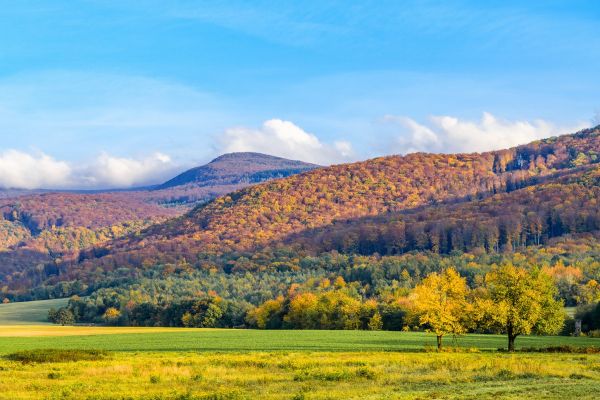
column 41, row 228
column 238, row 169
column 268, row 213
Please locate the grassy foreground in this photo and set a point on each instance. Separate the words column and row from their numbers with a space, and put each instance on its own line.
column 244, row 364
column 306, row 375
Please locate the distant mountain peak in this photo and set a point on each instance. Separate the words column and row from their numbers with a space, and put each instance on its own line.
column 239, row 168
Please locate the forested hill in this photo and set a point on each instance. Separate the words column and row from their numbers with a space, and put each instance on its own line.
column 503, row 222
column 268, row 213
column 41, row 229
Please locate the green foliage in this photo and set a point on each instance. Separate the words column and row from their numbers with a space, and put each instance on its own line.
column 519, row 302
column 62, row 316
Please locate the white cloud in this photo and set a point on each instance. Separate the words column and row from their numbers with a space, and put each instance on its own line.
column 284, row 139
column 452, row 135
column 26, row 171
column 110, row 171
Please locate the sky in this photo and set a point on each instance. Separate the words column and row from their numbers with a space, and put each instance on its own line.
column 101, row 94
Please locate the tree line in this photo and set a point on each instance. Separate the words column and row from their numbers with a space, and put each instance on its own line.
column 508, row 299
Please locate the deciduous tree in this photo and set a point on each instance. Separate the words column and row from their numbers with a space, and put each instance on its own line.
column 440, row 302
column 519, row 302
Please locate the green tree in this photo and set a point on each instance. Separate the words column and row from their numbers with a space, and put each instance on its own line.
column 519, row 302
column 62, row 317
column 376, row 322
column 440, row 302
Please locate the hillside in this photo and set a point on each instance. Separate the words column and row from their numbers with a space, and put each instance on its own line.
column 531, row 216
column 361, row 234
column 40, row 230
column 491, row 202
column 269, row 212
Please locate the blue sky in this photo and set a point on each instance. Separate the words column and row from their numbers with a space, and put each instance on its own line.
column 119, row 93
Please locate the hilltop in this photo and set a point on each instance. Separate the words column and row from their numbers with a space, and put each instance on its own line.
column 238, row 169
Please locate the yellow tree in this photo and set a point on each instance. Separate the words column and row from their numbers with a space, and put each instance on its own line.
column 519, row 302
column 440, row 302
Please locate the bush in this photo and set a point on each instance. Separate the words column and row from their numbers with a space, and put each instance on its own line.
column 62, row 316
column 56, row 355
column 562, row 349
column 54, row 375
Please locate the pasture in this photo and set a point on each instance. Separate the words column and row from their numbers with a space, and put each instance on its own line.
column 30, row 312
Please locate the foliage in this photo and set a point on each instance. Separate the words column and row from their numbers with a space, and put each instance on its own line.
column 519, row 302
column 62, row 316
column 589, row 315
column 441, row 303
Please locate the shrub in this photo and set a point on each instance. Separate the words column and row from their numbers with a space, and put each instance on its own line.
column 594, row 334
column 562, row 349
column 56, row 355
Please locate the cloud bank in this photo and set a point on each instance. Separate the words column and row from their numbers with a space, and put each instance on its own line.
column 452, row 135
column 284, row 139
column 33, row 171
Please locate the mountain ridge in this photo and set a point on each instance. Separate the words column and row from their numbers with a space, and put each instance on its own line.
column 271, row 211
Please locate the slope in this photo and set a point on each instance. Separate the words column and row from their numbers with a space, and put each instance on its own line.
column 269, row 212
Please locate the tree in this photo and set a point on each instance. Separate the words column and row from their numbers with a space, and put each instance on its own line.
column 440, row 302
column 111, row 314
column 376, row 323
column 519, row 302
column 63, row 316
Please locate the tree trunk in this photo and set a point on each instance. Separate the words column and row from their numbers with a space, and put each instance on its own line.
column 511, row 343
column 439, row 342
column 511, row 338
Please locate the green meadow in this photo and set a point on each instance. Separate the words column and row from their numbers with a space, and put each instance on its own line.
column 82, row 362
column 250, row 364
column 246, row 340
column 29, row 313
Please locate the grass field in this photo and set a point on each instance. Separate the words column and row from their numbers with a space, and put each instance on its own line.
column 179, row 364
column 238, row 340
column 29, row 313
column 245, row 364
